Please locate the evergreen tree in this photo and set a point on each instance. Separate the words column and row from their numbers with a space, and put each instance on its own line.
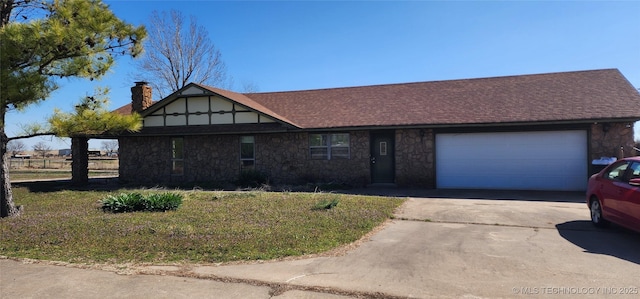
column 41, row 41
column 90, row 117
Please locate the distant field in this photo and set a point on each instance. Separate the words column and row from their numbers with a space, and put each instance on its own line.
column 57, row 168
column 61, row 163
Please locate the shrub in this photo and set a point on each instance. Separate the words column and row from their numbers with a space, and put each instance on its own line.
column 133, row 202
column 163, row 202
column 123, row 202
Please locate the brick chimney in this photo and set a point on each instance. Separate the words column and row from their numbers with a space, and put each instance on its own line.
column 140, row 96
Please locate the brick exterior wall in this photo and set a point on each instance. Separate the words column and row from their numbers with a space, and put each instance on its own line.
column 285, row 157
column 148, row 160
column 415, row 158
column 285, row 160
column 611, row 140
column 144, row 160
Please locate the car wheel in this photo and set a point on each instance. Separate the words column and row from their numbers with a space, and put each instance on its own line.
column 596, row 213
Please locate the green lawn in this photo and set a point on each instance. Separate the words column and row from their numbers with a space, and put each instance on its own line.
column 210, row 226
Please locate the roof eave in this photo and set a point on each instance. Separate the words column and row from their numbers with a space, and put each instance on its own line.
column 631, row 120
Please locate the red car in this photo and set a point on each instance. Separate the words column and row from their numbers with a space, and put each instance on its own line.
column 613, row 194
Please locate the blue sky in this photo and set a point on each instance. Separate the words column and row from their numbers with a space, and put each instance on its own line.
column 294, row 45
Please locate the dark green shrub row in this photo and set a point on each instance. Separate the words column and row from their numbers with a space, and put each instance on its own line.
column 133, row 202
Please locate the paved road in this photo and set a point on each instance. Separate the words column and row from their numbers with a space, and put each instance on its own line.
column 452, row 244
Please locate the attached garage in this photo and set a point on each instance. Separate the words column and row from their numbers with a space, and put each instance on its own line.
column 543, row 160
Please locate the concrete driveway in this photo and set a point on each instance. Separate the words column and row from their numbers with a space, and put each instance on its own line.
column 441, row 244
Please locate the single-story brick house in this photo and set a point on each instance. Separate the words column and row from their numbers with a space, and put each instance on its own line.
column 529, row 132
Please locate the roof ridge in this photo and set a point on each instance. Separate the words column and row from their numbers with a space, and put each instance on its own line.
column 434, row 81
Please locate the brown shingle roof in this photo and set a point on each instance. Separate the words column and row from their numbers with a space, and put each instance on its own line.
column 569, row 96
column 581, row 96
column 127, row 109
column 124, row 110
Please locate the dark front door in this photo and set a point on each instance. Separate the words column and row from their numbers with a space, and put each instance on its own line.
column 382, row 157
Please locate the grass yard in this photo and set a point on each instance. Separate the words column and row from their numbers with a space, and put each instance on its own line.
column 210, row 226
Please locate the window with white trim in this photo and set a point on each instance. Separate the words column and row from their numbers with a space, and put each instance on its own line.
column 247, row 151
column 329, row 146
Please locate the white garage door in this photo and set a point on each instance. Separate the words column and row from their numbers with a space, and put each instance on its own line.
column 515, row 160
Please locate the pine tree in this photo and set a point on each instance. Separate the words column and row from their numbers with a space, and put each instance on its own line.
column 41, row 41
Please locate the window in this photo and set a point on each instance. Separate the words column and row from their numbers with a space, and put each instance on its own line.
column 617, row 172
column 635, row 171
column 247, row 151
column 177, row 156
column 318, row 146
column 329, row 146
column 383, row 148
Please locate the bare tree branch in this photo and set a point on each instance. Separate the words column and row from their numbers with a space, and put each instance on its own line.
column 177, row 54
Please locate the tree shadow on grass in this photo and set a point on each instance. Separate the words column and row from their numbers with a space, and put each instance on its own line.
column 614, row 241
column 111, row 184
column 97, row 184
